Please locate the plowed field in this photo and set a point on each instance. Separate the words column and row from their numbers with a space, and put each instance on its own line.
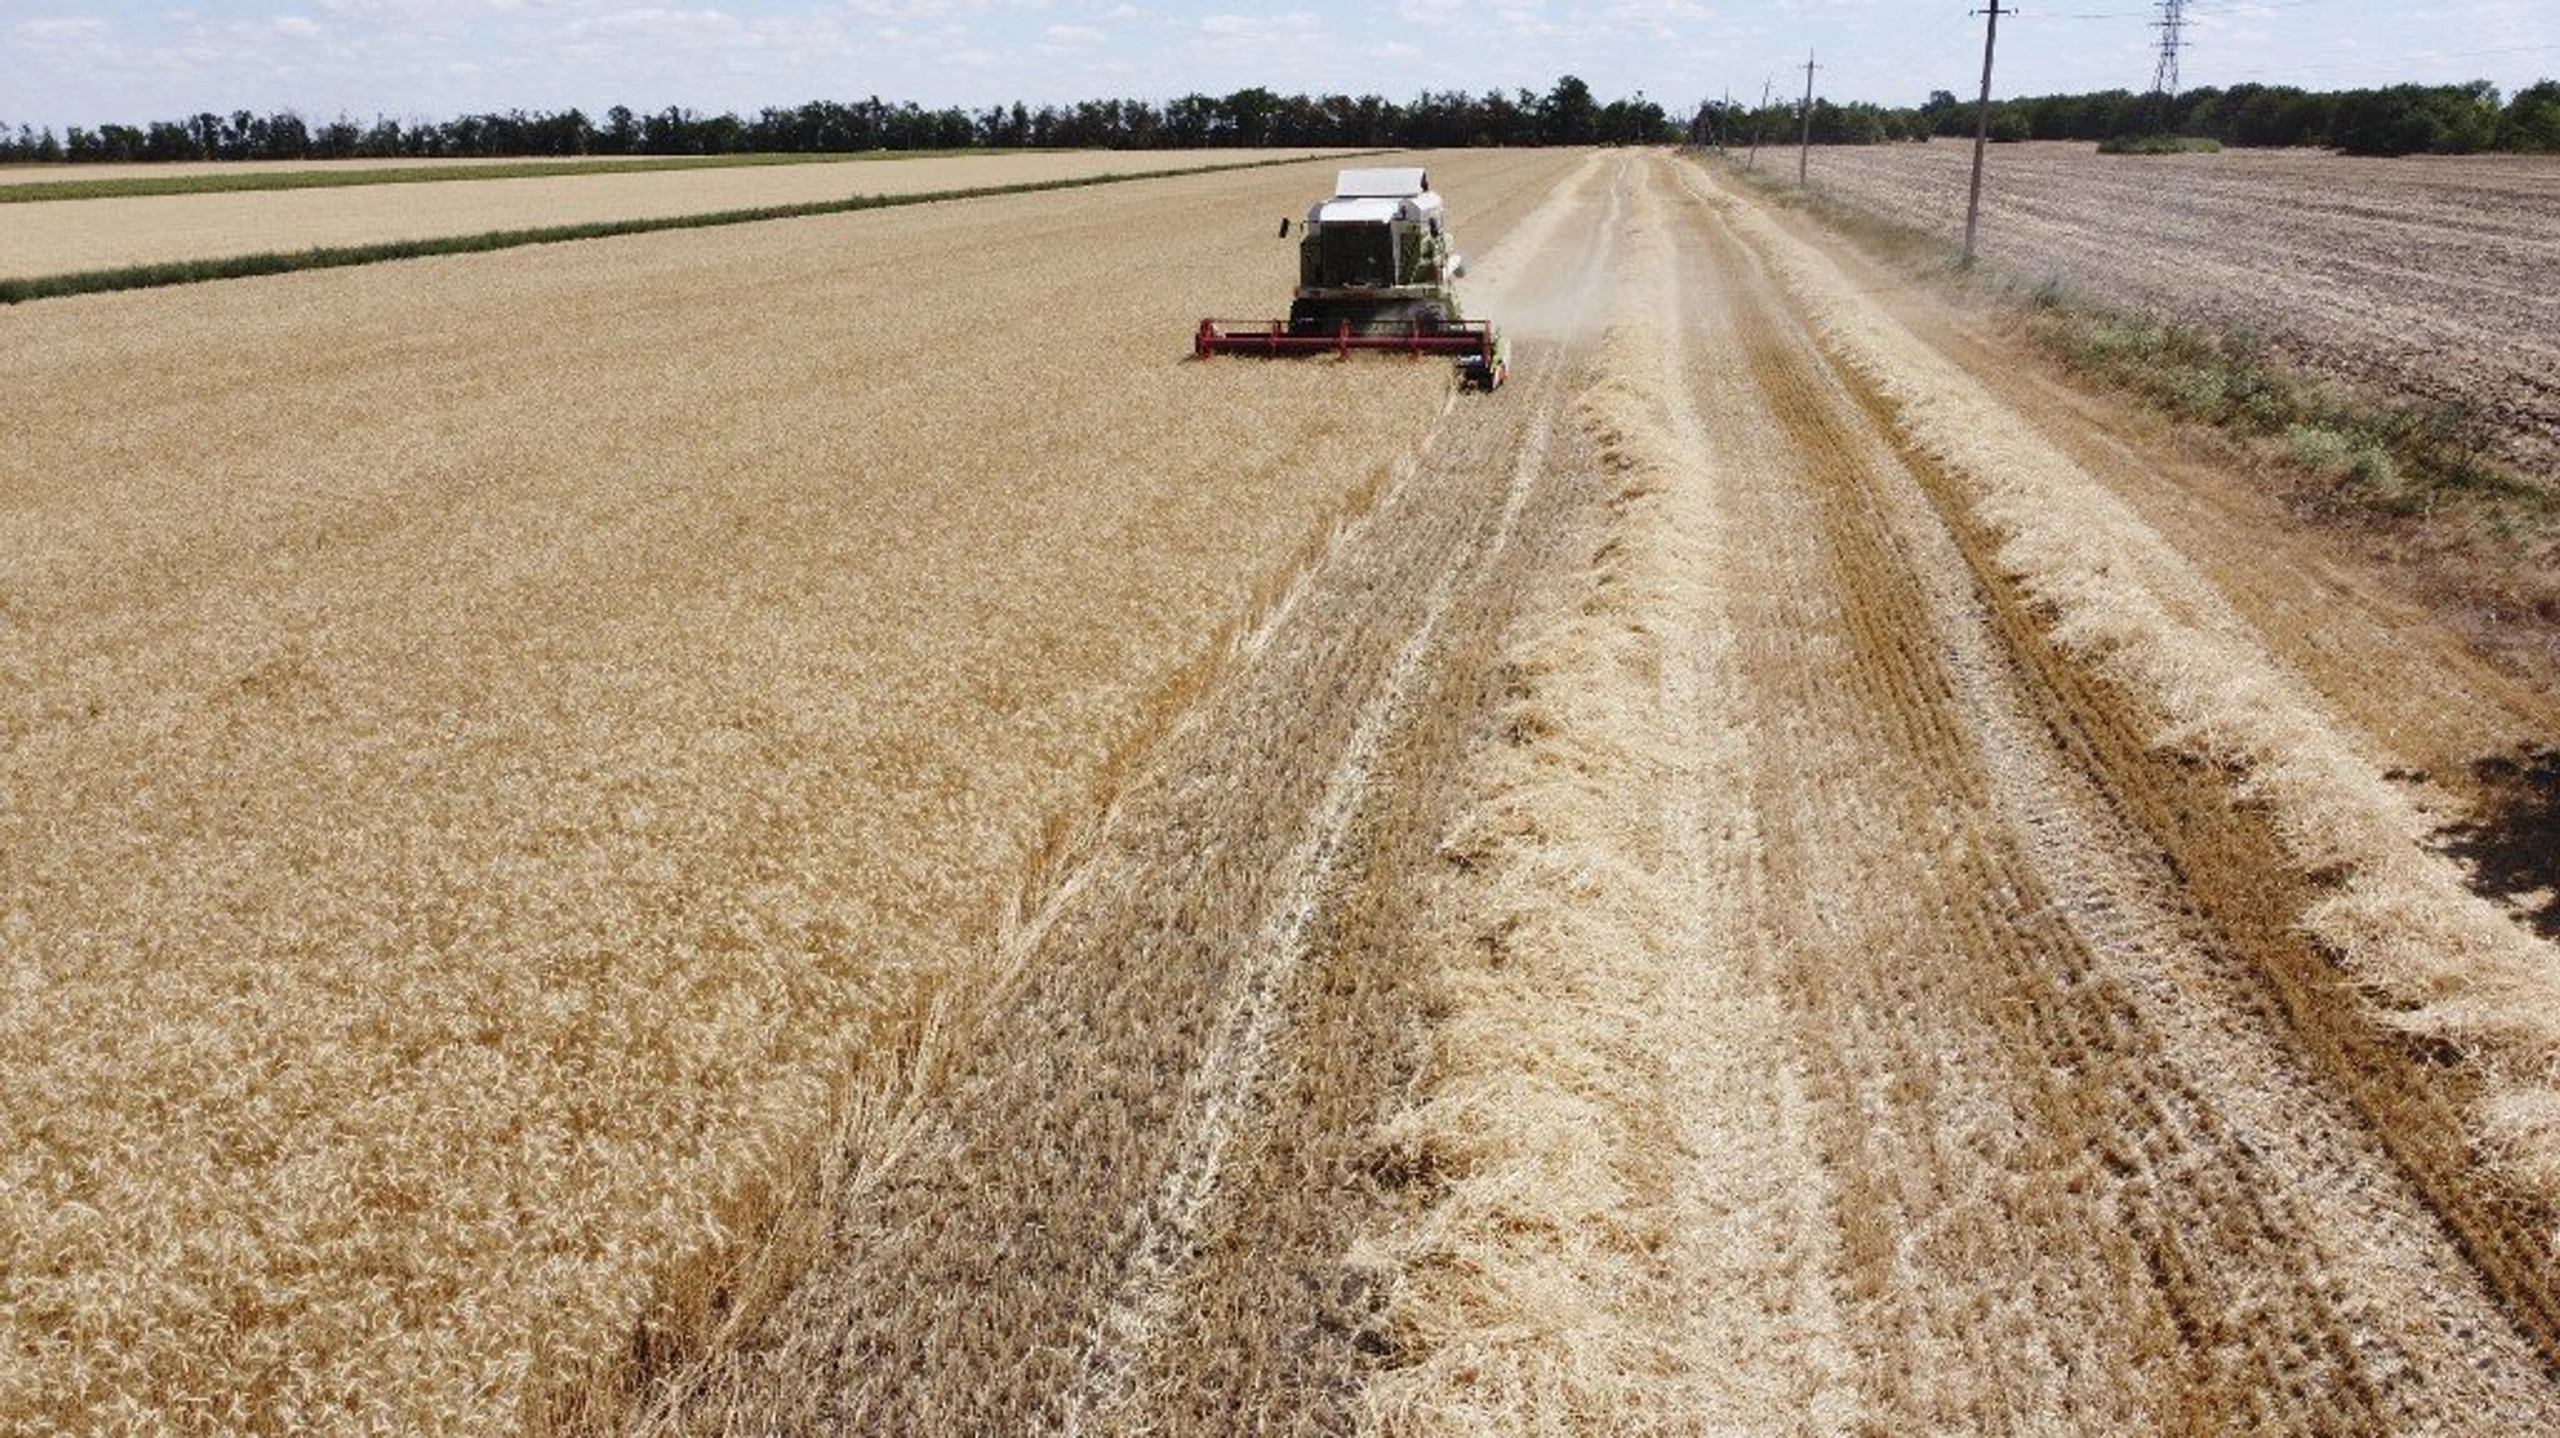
column 2423, row 277
column 1785, row 873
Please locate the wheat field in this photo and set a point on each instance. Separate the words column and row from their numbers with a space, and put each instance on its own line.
column 51, row 237
column 809, row 828
column 502, row 754
column 32, row 173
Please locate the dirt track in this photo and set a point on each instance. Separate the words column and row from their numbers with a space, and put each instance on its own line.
column 1699, row 947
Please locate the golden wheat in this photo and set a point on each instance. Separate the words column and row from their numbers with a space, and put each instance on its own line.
column 522, row 782
column 502, row 762
column 50, row 237
column 1146, row 947
column 32, row 174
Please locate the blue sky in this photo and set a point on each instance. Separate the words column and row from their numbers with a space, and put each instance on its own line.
column 67, row 62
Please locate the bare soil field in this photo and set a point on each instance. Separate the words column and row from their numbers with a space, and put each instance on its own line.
column 1785, row 873
column 2424, row 277
column 52, row 237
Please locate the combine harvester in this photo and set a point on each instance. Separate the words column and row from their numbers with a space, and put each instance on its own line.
column 1375, row 272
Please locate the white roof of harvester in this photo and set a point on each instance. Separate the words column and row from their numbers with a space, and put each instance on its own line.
column 1380, row 184
column 1378, row 197
column 1359, row 212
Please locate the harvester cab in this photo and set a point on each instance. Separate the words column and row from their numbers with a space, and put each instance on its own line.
column 1376, row 271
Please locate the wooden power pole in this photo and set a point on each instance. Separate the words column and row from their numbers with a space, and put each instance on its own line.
column 1981, row 129
column 1804, row 148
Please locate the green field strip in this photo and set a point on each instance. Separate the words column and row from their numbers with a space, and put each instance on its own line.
column 357, row 174
column 282, row 262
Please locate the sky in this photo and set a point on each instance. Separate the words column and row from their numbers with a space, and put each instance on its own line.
column 65, row 62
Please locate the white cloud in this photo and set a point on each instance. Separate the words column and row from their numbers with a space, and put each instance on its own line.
column 1287, row 27
column 651, row 23
column 914, row 9
column 57, row 29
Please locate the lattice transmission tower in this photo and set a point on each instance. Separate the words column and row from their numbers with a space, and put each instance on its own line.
column 2171, row 25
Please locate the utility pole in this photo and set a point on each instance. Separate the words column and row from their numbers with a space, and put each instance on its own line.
column 1804, row 149
column 1981, row 128
column 1724, row 122
column 1752, row 162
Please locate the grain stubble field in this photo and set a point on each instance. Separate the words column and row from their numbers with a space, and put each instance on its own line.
column 1699, row 908
column 2420, row 277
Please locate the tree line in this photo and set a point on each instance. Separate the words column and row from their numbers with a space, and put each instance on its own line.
column 2393, row 120
column 1568, row 114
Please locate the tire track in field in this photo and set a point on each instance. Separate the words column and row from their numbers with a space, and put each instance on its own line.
column 1769, row 1350
column 970, row 1292
column 1150, row 1368
column 1234, row 1065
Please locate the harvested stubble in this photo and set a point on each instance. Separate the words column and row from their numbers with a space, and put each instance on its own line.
column 498, row 762
column 1821, row 1048
column 2418, row 274
column 1530, row 1293
column 65, row 236
column 2419, row 952
column 1608, row 1129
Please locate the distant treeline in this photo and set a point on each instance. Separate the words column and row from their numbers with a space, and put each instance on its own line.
column 1569, row 114
column 2398, row 120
